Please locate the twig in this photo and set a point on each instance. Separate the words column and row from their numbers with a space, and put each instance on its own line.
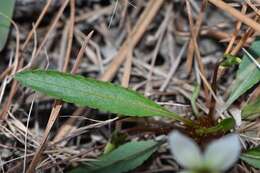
column 161, row 32
column 36, row 24
column 53, row 25
column 82, row 130
column 196, row 47
column 235, row 32
column 195, row 30
column 26, row 135
column 81, row 52
column 128, row 63
column 253, row 7
column 65, row 129
column 113, row 14
column 37, row 157
column 5, row 81
column 242, row 41
column 6, row 72
column 174, row 67
column 70, row 35
column 237, row 14
column 138, row 30
column 15, row 68
column 55, row 112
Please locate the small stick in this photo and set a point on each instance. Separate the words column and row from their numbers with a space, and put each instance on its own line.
column 81, row 52
column 194, row 30
column 237, row 14
column 55, row 112
column 128, row 63
column 37, row 23
column 55, row 21
column 70, row 35
column 235, row 32
column 138, row 30
column 37, row 157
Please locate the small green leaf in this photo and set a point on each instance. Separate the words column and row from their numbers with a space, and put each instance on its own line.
column 230, row 60
column 224, row 126
column 92, row 93
column 6, row 9
column 247, row 76
column 252, row 109
column 252, row 157
column 125, row 158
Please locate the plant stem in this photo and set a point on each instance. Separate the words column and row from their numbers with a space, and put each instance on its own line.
column 203, row 131
column 224, row 126
column 182, row 119
column 214, row 87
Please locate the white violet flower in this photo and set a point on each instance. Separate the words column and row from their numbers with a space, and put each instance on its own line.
column 219, row 155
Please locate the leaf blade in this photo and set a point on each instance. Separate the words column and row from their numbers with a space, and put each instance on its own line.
column 6, row 8
column 247, row 76
column 252, row 157
column 252, row 109
column 92, row 93
column 123, row 159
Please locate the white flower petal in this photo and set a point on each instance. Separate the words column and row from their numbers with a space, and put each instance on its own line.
column 185, row 150
column 221, row 154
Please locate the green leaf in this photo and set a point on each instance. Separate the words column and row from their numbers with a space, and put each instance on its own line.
column 125, row 158
column 92, row 93
column 230, row 60
column 252, row 109
column 247, row 75
column 6, row 9
column 223, row 126
column 195, row 94
column 252, row 157
column 226, row 124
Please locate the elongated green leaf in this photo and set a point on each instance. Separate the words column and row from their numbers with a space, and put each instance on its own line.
column 123, row 159
column 92, row 93
column 252, row 157
column 6, row 8
column 195, row 94
column 252, row 109
column 247, row 76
